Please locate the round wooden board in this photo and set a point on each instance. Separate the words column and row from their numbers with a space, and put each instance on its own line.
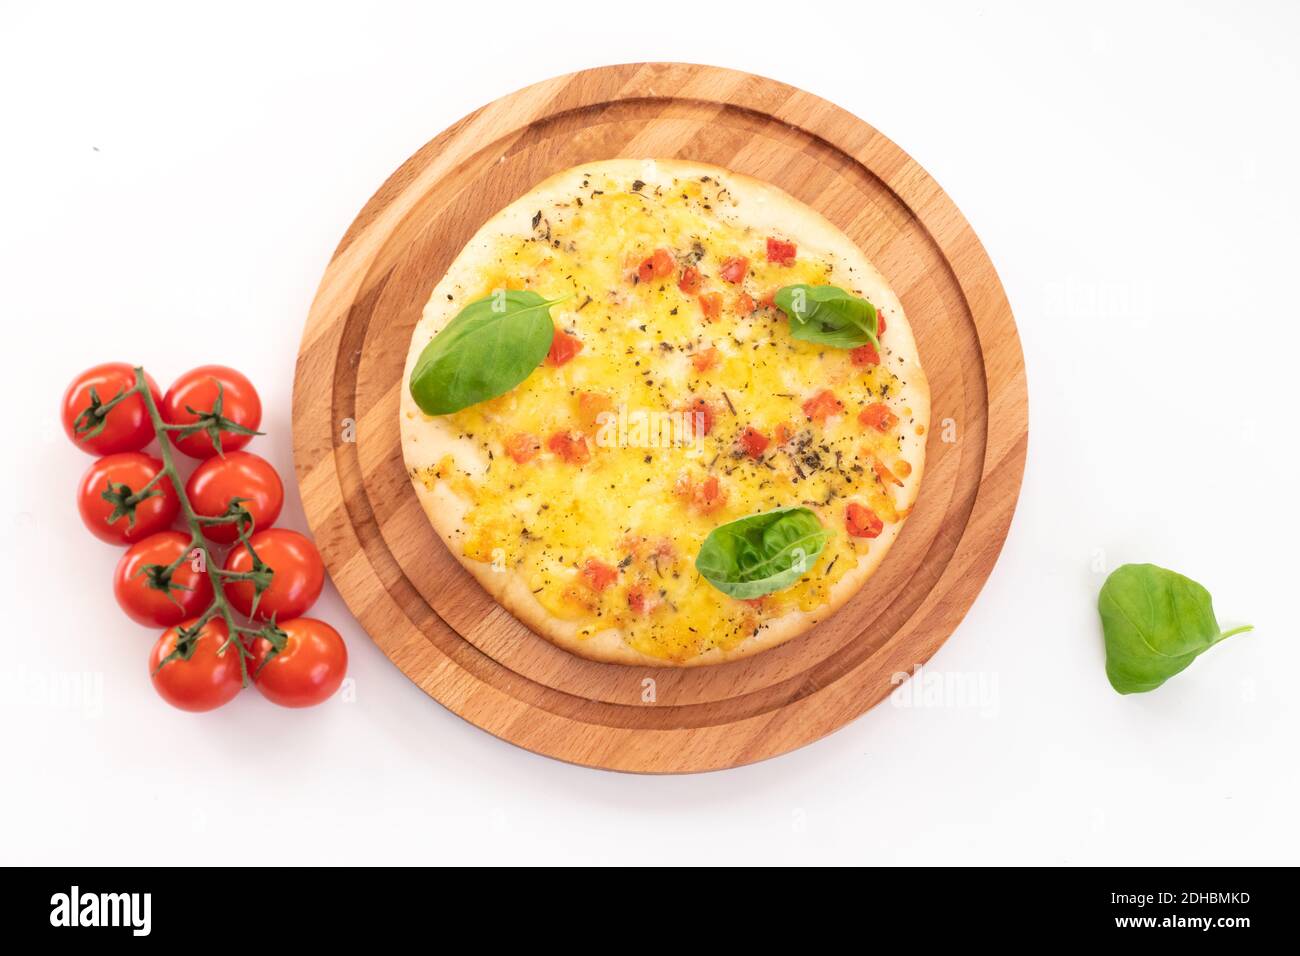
column 431, row 617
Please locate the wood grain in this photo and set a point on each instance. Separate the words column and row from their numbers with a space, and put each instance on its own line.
column 434, row 621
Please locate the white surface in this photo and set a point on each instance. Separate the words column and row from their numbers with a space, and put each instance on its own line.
column 172, row 185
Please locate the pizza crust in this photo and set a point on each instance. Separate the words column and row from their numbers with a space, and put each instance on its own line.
column 428, row 439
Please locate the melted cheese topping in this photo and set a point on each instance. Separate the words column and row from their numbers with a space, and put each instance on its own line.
column 611, row 541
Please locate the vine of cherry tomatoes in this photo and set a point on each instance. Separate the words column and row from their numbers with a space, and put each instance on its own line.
column 228, row 622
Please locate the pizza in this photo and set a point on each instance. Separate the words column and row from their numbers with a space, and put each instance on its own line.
column 664, row 413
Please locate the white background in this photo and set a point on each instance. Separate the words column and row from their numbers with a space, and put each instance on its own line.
column 173, row 183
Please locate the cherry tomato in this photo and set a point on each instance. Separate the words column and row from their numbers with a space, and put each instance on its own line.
column 126, row 427
column 563, row 348
column 522, row 447
column 862, row 522
column 149, row 605
column 571, row 446
column 135, row 470
column 865, row 355
column 878, row 416
column 598, row 574
column 780, row 251
column 309, row 668
column 734, row 269
column 690, row 280
column 754, row 442
column 296, row 584
column 197, row 389
column 240, row 474
column 822, row 406
column 711, row 305
column 209, row 678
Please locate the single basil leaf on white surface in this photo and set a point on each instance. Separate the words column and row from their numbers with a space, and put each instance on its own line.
column 1155, row 622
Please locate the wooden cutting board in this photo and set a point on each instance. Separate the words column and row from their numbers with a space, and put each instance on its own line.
column 431, row 617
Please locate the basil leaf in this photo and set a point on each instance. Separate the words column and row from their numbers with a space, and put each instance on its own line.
column 1156, row 622
column 485, row 351
column 753, row 556
column 828, row 315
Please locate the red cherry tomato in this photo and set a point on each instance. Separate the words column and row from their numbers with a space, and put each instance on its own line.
column 296, row 584
column 240, row 474
column 734, row 269
column 126, row 426
column 690, row 280
column 197, row 389
column 563, row 348
column 149, row 605
column 862, row 522
column 135, row 470
column 309, row 668
column 780, row 251
column 209, row 678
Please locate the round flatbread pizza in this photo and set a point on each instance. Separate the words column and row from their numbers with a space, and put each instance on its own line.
column 664, row 413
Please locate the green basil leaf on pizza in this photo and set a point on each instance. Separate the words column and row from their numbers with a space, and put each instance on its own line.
column 486, row 350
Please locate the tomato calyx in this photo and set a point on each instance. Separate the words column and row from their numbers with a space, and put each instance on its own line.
column 159, row 577
column 124, row 499
column 90, row 421
column 274, row 635
column 187, row 639
column 210, row 422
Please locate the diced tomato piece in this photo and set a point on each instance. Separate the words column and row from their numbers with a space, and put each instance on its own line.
column 754, row 442
column 563, row 348
column 709, row 495
column 522, row 447
column 783, row 433
column 734, row 269
column 705, row 359
column 662, row 263
column 646, row 270
column 598, row 574
column 865, row 355
column 884, row 474
column 581, row 597
column 768, row 301
column 880, row 324
column 822, row 406
column 690, row 280
column 590, row 407
column 636, row 598
column 878, row 416
column 711, row 303
column 780, row 251
column 572, row 448
column 744, row 304
column 862, row 522
column 701, row 415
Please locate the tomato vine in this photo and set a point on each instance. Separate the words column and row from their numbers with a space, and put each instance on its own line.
column 124, row 499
